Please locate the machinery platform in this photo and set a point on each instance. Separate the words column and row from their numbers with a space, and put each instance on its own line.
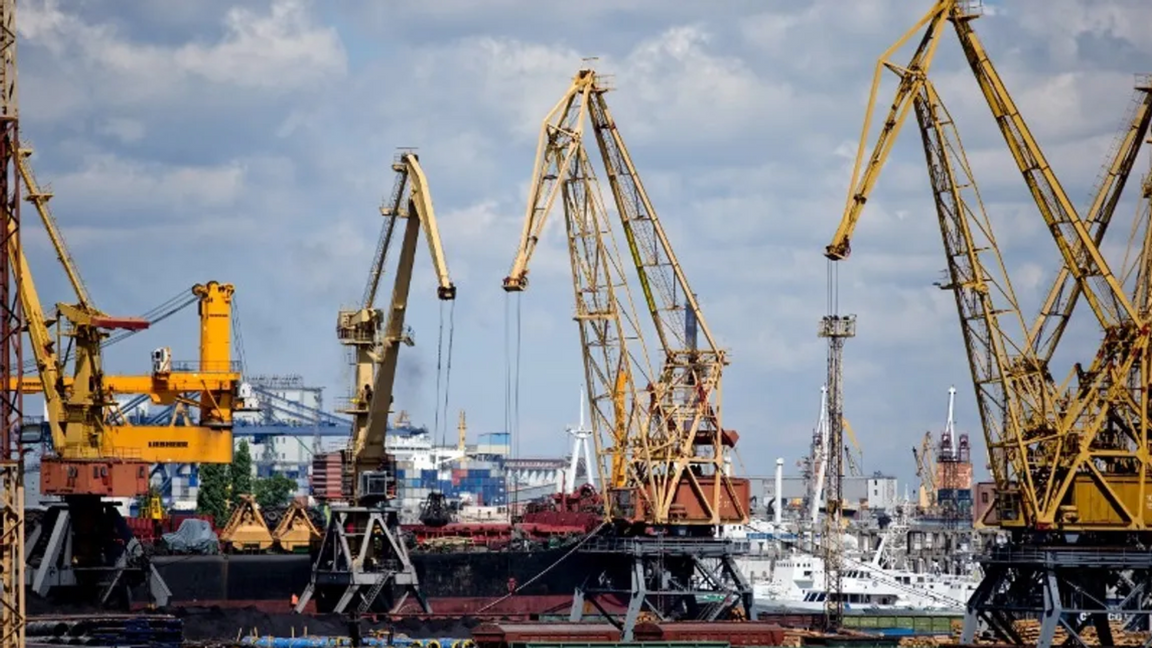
column 665, row 578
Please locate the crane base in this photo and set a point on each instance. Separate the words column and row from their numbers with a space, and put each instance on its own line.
column 657, row 575
column 362, row 565
column 85, row 551
column 1068, row 587
column 104, row 477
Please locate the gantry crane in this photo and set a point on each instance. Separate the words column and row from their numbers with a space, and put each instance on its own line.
column 665, row 447
column 362, row 553
column 1068, row 457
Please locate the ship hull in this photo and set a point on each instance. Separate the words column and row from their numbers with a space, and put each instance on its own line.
column 464, row 577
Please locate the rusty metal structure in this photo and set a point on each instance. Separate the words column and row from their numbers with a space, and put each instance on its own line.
column 663, row 452
column 11, row 353
column 1070, row 459
column 836, row 329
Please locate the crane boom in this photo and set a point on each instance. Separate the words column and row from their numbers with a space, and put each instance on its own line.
column 561, row 136
column 911, row 77
column 39, row 197
column 1065, row 292
column 368, row 450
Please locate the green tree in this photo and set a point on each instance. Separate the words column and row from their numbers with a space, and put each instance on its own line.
column 212, row 496
column 241, row 471
column 274, row 491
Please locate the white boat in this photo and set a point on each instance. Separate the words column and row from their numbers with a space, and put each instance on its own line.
column 798, row 585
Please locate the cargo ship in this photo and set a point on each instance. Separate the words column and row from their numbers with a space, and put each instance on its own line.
column 457, row 583
column 463, row 567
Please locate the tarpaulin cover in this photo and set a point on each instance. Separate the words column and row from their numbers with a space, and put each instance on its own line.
column 193, row 536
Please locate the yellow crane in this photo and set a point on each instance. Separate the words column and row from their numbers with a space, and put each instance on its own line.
column 361, row 328
column 926, row 472
column 1072, row 456
column 665, row 443
column 1014, row 387
column 106, row 434
column 92, row 458
column 853, row 454
column 95, row 451
column 362, row 554
column 666, row 450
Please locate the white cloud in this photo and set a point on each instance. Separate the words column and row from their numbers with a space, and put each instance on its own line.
column 114, row 182
column 125, row 130
column 272, row 140
column 281, row 51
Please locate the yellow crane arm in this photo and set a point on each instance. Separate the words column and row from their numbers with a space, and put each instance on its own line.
column 855, row 459
column 1081, row 255
column 39, row 198
column 1066, row 291
column 43, row 344
column 561, row 136
column 163, row 388
column 911, row 77
column 368, row 446
column 394, row 206
column 421, row 201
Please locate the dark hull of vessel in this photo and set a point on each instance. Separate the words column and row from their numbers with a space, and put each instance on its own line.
column 477, row 575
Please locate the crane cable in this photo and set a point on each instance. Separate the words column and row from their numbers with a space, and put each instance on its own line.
column 156, row 315
column 446, row 374
column 512, row 385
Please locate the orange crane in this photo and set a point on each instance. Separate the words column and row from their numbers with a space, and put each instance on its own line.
column 1067, row 458
column 96, row 452
column 362, row 562
column 666, row 450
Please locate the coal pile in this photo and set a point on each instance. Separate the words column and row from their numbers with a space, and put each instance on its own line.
column 124, row 631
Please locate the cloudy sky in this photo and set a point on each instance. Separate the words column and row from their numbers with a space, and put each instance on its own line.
column 251, row 143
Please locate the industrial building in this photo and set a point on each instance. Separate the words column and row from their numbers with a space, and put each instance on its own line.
column 874, row 492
